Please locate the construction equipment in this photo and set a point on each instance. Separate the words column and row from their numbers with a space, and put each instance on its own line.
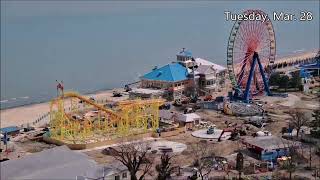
column 208, row 98
column 116, row 94
column 258, row 121
column 177, row 102
column 166, row 106
column 128, row 118
column 235, row 133
column 127, row 87
column 207, row 95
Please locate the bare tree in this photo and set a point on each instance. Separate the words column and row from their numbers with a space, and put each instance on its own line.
column 202, row 154
column 298, row 119
column 165, row 167
column 135, row 157
column 315, row 123
column 290, row 164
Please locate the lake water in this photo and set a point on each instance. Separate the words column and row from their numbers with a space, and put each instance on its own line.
column 102, row 45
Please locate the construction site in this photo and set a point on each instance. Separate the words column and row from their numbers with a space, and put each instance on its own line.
column 188, row 102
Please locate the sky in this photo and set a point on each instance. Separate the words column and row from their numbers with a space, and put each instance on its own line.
column 93, row 45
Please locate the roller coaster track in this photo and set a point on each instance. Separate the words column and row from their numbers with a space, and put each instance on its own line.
column 130, row 116
column 88, row 101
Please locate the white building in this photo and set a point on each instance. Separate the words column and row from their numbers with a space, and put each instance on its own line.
column 210, row 76
column 188, row 120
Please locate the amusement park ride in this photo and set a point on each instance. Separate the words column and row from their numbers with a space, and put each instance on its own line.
column 129, row 118
column 251, row 48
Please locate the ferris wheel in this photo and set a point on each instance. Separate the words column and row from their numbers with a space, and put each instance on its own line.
column 251, row 50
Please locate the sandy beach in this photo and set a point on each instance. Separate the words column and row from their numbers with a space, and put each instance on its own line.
column 27, row 114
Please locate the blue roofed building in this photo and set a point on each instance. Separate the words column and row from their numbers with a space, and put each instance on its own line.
column 268, row 148
column 171, row 77
column 181, row 78
column 173, row 72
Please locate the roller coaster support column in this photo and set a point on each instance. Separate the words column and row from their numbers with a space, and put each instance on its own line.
column 265, row 82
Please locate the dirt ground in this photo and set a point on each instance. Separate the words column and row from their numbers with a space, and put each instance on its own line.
column 277, row 108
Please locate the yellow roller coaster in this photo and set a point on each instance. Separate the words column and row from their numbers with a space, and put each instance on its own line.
column 127, row 118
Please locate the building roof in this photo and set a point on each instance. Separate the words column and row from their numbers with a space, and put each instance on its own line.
column 171, row 72
column 201, row 61
column 205, row 69
column 165, row 114
column 268, row 142
column 188, row 117
column 56, row 163
column 9, row 129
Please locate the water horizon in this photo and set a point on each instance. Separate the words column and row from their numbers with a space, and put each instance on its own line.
column 94, row 46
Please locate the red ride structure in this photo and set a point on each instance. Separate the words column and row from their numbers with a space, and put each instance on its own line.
column 251, row 48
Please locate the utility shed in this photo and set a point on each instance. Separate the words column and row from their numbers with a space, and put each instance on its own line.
column 188, row 120
column 268, row 148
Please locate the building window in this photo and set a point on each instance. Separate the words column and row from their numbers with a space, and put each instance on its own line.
column 124, row 175
column 117, row 177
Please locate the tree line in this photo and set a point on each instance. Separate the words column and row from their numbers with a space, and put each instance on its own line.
column 285, row 82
